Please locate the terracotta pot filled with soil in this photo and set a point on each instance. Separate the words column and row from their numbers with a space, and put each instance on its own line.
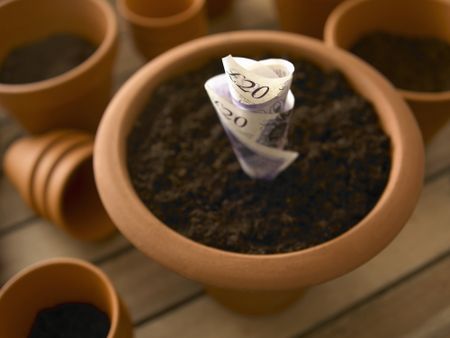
column 56, row 62
column 62, row 297
column 168, row 177
column 409, row 42
column 305, row 17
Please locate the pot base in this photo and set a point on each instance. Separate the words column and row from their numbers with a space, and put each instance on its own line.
column 250, row 302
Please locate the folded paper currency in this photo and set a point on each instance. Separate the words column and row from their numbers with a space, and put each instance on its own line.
column 254, row 104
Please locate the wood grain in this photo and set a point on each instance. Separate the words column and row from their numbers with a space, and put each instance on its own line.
column 417, row 308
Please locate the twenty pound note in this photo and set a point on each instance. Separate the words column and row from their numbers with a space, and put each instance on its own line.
column 254, row 103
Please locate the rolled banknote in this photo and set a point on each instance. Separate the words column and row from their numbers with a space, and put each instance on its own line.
column 254, row 104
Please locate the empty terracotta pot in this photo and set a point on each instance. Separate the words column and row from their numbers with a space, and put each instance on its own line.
column 245, row 282
column 53, row 173
column 54, row 282
column 77, row 98
column 157, row 26
column 217, row 7
column 305, row 17
column 355, row 18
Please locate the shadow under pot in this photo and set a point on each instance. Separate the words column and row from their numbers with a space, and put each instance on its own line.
column 65, row 296
column 254, row 281
column 409, row 44
column 56, row 61
column 53, row 173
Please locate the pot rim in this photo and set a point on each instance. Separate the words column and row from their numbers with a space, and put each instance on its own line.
column 101, row 50
column 330, row 39
column 66, row 261
column 160, row 22
column 195, row 260
column 57, row 186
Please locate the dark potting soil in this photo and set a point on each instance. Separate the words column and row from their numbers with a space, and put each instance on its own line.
column 44, row 59
column 183, row 168
column 70, row 320
column 412, row 63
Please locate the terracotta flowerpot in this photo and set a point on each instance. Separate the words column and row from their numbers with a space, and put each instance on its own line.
column 157, row 26
column 261, row 279
column 355, row 18
column 77, row 98
column 215, row 8
column 305, row 17
column 55, row 282
column 53, row 173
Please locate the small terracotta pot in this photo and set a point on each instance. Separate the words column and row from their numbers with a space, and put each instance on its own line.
column 305, row 17
column 355, row 18
column 157, row 25
column 53, row 173
column 55, row 282
column 215, row 8
column 245, row 282
column 77, row 98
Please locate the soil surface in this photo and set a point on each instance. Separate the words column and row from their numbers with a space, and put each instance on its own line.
column 70, row 320
column 44, row 59
column 417, row 64
column 183, row 168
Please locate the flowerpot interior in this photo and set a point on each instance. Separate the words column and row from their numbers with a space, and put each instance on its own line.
column 47, row 286
column 264, row 272
column 157, row 8
column 72, row 198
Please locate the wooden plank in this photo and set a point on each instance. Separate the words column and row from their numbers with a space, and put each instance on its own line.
column 436, row 327
column 419, row 307
column 146, row 287
column 426, row 236
column 41, row 240
column 12, row 208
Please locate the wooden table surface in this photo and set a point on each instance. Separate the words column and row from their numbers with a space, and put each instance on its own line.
column 403, row 292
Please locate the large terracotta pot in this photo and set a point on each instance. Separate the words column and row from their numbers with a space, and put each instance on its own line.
column 157, row 26
column 77, row 98
column 354, row 18
column 305, row 17
column 54, row 282
column 258, row 283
